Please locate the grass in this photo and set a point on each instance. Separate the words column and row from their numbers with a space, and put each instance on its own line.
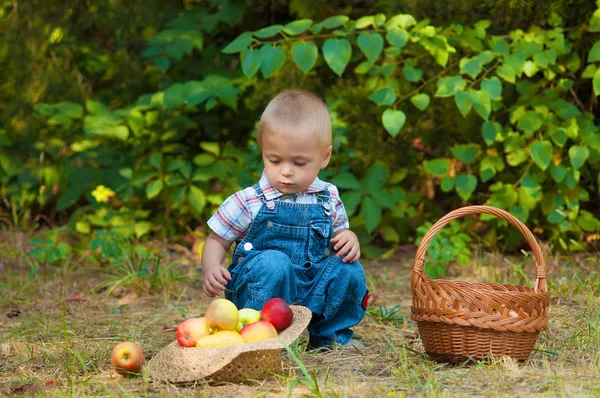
column 60, row 323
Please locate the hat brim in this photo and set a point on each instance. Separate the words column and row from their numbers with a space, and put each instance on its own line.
column 178, row 364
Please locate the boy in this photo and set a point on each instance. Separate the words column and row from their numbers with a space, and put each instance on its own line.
column 288, row 226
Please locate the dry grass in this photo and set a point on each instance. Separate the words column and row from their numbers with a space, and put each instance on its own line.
column 58, row 329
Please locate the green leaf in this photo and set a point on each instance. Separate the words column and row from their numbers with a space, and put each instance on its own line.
column 541, row 153
column 334, row 22
column 155, row 160
column 447, row 183
column 465, row 185
column 96, row 107
column 481, row 103
column 267, row 32
column 449, row 86
column 272, row 59
column 489, row 131
column 363, row 22
column 596, row 83
column 530, row 68
column 594, row 54
column 529, row 122
column 70, row 109
column 305, row 55
column 44, row 109
column 238, row 44
column 578, row 155
column 346, row 181
column 211, row 147
column 556, row 216
column 196, row 198
column 420, row 101
column 154, row 188
column 465, row 153
column 589, row 71
column 558, row 173
column 383, row 96
column 471, row 67
column 507, row 73
column 371, row 44
column 559, row 136
column 412, row 74
column 463, row 101
column 438, row 167
column 297, row 27
column 371, row 214
column 141, row 228
column 493, row 87
column 250, row 62
column 393, row 121
column 397, row 38
column 337, row 54
column 61, row 119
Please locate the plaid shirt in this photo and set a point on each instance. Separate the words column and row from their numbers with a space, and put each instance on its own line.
column 233, row 219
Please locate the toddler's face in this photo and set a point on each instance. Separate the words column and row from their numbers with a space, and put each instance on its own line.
column 292, row 164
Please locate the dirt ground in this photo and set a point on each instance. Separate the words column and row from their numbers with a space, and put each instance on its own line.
column 57, row 330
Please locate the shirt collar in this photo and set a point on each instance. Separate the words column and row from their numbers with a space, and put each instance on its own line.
column 273, row 193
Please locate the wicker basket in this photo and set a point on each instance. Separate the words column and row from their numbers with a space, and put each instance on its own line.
column 234, row 363
column 459, row 320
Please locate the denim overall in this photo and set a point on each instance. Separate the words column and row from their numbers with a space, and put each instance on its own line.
column 287, row 253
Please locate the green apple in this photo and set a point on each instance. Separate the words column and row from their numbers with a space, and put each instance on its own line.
column 247, row 315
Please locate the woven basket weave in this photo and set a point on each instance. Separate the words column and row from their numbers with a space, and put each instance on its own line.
column 234, row 363
column 459, row 320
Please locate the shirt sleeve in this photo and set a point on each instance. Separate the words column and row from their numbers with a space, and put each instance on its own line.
column 340, row 218
column 232, row 219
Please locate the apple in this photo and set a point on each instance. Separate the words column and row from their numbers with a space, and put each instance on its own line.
column 127, row 358
column 190, row 331
column 222, row 314
column 247, row 315
column 220, row 338
column 259, row 330
column 278, row 312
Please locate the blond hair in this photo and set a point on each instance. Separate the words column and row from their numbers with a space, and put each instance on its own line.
column 296, row 112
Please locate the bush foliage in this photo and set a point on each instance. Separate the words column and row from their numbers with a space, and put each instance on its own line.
column 139, row 118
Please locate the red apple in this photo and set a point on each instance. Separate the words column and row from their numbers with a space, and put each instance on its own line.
column 259, row 330
column 127, row 358
column 278, row 312
column 190, row 331
column 222, row 314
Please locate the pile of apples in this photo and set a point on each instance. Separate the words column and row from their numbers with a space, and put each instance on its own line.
column 223, row 324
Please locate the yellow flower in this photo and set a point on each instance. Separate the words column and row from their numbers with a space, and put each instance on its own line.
column 102, row 194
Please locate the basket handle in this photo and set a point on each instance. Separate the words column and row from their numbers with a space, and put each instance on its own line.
column 540, row 269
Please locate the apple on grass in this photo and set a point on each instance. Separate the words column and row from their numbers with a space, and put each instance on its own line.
column 221, row 314
column 259, row 330
column 278, row 312
column 190, row 331
column 127, row 358
column 247, row 315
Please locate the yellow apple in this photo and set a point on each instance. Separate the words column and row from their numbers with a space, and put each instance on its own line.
column 247, row 315
column 127, row 358
column 220, row 338
column 222, row 314
column 259, row 330
column 189, row 331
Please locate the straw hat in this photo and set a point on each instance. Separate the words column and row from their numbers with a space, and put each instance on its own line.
column 232, row 363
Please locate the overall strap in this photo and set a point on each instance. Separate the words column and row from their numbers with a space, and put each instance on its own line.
column 324, row 197
column 261, row 195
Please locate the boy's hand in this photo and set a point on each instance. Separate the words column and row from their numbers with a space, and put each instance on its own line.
column 215, row 281
column 346, row 242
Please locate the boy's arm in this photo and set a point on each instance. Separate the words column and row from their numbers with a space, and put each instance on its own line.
column 215, row 275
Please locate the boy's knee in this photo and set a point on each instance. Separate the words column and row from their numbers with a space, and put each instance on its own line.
column 273, row 264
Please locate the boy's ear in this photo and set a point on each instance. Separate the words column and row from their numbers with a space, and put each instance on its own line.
column 327, row 157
